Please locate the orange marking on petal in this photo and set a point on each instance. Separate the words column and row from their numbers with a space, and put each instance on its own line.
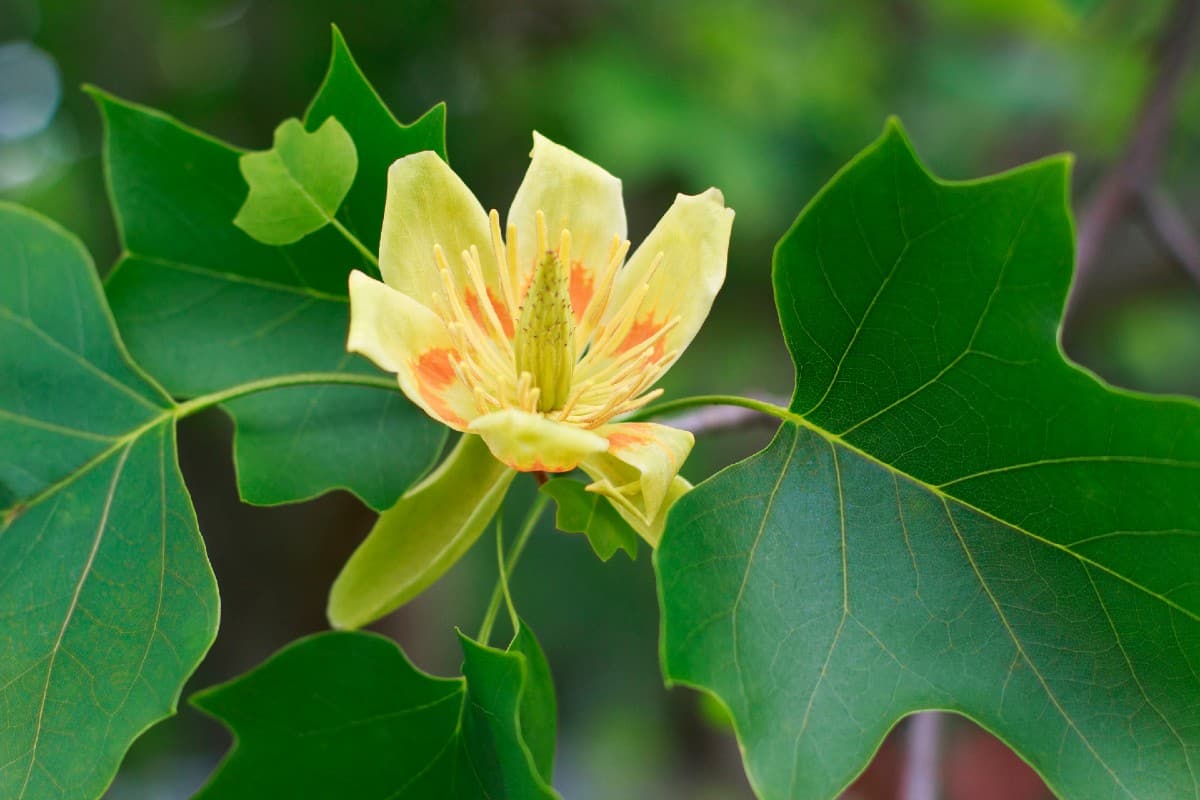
column 630, row 434
column 503, row 313
column 538, row 466
column 471, row 301
column 435, row 373
column 526, row 282
column 583, row 286
column 642, row 330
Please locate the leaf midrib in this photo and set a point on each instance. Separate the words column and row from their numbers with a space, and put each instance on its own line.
column 177, row 411
column 938, row 491
column 834, row 441
column 231, row 277
column 70, row 614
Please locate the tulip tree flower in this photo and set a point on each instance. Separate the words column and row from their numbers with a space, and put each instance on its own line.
column 537, row 337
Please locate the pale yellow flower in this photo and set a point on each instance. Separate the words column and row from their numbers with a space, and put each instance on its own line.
column 539, row 336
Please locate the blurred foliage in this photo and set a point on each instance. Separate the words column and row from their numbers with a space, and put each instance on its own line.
column 765, row 100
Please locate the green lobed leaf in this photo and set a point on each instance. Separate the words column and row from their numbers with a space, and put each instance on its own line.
column 581, row 511
column 107, row 601
column 297, row 186
column 414, row 542
column 204, row 307
column 347, row 715
column 953, row 516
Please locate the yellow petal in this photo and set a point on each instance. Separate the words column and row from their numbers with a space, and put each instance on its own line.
column 402, row 336
column 693, row 240
column 417, row 540
column 651, row 531
column 530, row 442
column 639, row 469
column 575, row 194
column 428, row 204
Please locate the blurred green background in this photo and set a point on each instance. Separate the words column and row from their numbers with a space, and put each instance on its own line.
column 764, row 100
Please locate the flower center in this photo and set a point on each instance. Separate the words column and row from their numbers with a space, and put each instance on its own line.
column 528, row 350
column 545, row 335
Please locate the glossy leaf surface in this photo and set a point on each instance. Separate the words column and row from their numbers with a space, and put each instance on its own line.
column 953, row 515
column 204, row 307
column 347, row 715
column 107, row 601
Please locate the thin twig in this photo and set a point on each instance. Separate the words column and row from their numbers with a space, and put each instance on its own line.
column 1171, row 229
column 922, row 757
column 1127, row 183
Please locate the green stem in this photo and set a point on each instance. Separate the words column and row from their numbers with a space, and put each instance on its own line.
column 683, row 403
column 202, row 402
column 189, row 407
column 352, row 239
column 514, row 555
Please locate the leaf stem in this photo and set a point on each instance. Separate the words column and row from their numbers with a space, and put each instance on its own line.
column 514, row 555
column 354, row 240
column 204, row 401
column 186, row 409
column 685, row 403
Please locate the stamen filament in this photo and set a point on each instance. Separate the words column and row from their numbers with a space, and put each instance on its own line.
column 617, row 328
column 629, row 355
column 475, row 273
column 543, row 240
column 502, row 265
column 514, row 267
column 603, row 292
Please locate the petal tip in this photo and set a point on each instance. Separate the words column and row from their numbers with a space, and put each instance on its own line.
column 423, row 158
column 546, row 148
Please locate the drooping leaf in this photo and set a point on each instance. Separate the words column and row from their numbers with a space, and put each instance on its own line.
column 107, row 601
column 204, row 307
column 415, row 541
column 297, row 186
column 347, row 715
column 953, row 516
column 581, row 511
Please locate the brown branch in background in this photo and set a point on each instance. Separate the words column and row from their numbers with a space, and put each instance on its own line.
column 1171, row 229
column 1130, row 183
column 922, row 758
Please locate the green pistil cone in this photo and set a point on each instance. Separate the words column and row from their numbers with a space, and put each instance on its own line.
column 545, row 341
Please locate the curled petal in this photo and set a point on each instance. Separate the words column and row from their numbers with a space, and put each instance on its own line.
column 575, row 194
column 423, row 535
column 402, row 336
column 681, row 266
column 530, row 442
column 639, row 471
column 651, row 531
column 428, row 204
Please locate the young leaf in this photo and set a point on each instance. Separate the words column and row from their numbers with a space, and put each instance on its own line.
column 415, row 541
column 378, row 137
column 107, row 601
column 581, row 511
column 297, row 185
column 953, row 516
column 204, row 307
column 347, row 715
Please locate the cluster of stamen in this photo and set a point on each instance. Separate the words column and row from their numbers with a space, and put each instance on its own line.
column 505, row 351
